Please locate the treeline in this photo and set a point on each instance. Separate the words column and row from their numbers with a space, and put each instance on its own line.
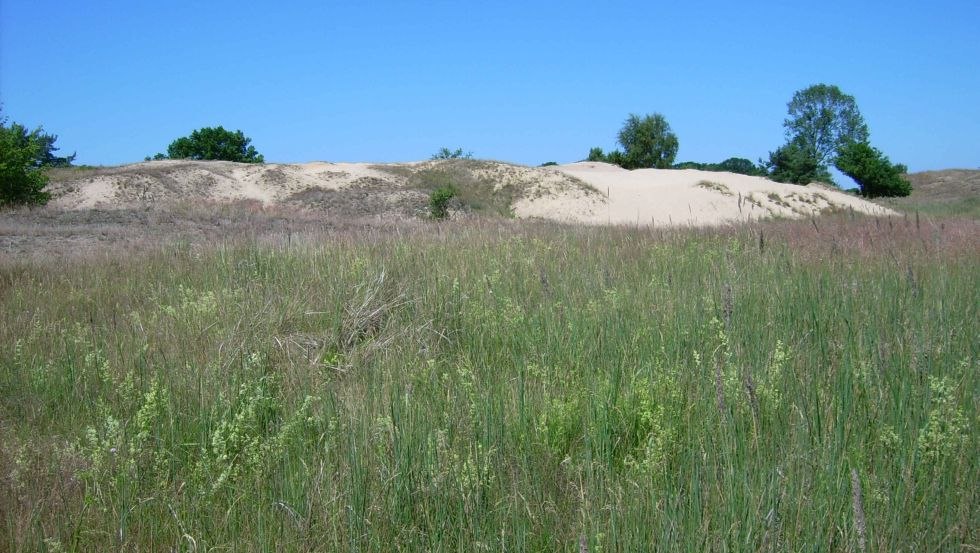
column 823, row 128
column 738, row 165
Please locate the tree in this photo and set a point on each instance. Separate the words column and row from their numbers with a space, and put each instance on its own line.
column 22, row 154
column 822, row 119
column 647, row 142
column 741, row 166
column 795, row 163
column 46, row 157
column 596, row 154
column 446, row 153
column 215, row 144
column 871, row 169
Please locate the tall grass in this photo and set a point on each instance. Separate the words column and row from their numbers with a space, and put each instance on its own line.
column 790, row 387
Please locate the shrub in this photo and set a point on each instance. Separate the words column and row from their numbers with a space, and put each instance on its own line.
column 549, row 164
column 794, row 163
column 871, row 169
column 617, row 157
column 214, row 144
column 439, row 201
column 596, row 154
column 446, row 153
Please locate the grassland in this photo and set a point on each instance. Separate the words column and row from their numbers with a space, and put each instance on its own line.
column 948, row 193
column 498, row 386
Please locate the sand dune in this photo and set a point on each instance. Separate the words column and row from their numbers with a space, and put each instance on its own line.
column 585, row 192
column 670, row 197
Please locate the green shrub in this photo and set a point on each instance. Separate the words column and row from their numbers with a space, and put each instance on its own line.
column 214, row 144
column 596, row 154
column 797, row 164
column 446, row 153
column 872, row 170
column 439, row 201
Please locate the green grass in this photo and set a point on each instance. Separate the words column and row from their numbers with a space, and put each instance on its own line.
column 498, row 387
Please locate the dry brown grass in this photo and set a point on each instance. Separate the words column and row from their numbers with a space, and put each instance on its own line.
column 951, row 192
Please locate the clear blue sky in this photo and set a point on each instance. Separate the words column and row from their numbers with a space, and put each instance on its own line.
column 525, row 82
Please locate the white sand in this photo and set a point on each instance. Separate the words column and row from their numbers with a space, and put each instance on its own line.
column 669, row 197
column 585, row 192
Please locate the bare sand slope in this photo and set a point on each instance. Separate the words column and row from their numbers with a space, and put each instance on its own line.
column 165, row 181
column 669, row 197
column 585, row 192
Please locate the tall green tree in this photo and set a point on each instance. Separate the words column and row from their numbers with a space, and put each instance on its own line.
column 215, row 143
column 647, row 142
column 22, row 155
column 822, row 119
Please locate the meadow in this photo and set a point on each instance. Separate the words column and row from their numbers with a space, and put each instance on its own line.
column 498, row 386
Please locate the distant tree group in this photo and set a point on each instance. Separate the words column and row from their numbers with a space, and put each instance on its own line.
column 824, row 127
column 738, row 165
column 23, row 156
column 648, row 142
column 213, row 143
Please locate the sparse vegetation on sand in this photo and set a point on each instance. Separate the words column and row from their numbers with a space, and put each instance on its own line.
column 500, row 386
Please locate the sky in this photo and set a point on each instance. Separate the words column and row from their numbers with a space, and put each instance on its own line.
column 526, row 82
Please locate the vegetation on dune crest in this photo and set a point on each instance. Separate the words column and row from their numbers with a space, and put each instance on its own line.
column 824, row 127
column 736, row 165
column 793, row 386
column 446, row 153
column 795, row 163
column 213, row 143
column 822, row 119
column 648, row 142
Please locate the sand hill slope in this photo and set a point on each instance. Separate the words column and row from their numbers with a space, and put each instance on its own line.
column 586, row 192
column 688, row 197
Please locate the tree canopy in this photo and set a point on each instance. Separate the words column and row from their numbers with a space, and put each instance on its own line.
column 796, row 163
column 822, row 119
column 446, row 153
column 738, row 165
column 872, row 170
column 648, row 142
column 214, row 143
column 23, row 154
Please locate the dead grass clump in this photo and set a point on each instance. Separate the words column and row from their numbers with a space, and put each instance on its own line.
column 716, row 186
